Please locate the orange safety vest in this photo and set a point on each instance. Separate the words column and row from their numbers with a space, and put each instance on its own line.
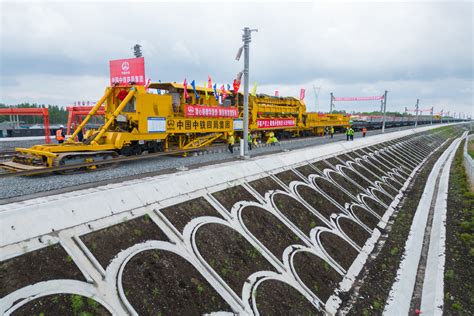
column 59, row 135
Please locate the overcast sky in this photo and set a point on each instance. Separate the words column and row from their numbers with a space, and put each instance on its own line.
column 56, row 53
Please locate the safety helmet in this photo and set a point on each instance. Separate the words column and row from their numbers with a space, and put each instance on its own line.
column 231, row 133
column 61, row 126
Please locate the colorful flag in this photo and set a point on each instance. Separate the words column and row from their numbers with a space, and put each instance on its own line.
column 224, row 93
column 228, row 87
column 215, row 92
column 193, row 84
column 254, row 90
column 185, row 86
column 205, row 91
column 236, row 86
column 209, row 82
column 302, row 92
column 277, row 94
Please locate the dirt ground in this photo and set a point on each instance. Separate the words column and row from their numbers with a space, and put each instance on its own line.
column 158, row 282
column 49, row 263
column 106, row 243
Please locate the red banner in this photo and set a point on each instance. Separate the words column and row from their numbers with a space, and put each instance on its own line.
column 210, row 111
column 124, row 71
column 358, row 98
column 302, row 93
column 276, row 123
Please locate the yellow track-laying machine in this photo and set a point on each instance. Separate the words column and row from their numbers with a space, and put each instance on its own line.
column 159, row 118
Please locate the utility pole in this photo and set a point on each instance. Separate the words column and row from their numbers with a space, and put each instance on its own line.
column 331, row 105
column 416, row 109
column 246, row 38
column 316, row 96
column 384, row 110
column 432, row 111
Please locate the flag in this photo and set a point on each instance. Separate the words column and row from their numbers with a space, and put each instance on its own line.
column 185, row 86
column 224, row 93
column 209, row 82
column 148, row 84
column 236, row 86
column 277, row 94
column 302, row 92
column 193, row 84
column 228, row 87
column 215, row 92
column 205, row 91
column 254, row 90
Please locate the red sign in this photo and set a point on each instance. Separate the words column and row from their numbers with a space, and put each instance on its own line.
column 275, row 123
column 358, row 98
column 210, row 111
column 124, row 71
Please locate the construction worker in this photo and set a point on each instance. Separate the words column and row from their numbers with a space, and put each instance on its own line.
column 60, row 134
column 351, row 133
column 231, row 142
column 331, row 131
column 249, row 141
column 364, row 131
column 348, row 133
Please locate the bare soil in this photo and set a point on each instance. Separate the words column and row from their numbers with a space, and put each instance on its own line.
column 278, row 298
column 341, row 251
column 180, row 214
column 44, row 264
column 358, row 179
column 365, row 217
column 374, row 205
column 159, row 282
column 229, row 197
column 62, row 304
column 346, row 183
column 264, row 185
column 297, row 213
column 106, row 243
column 389, row 189
column 318, row 201
column 334, row 192
column 306, row 170
column 268, row 229
column 354, row 231
column 369, row 175
column 230, row 254
column 383, row 197
column 287, row 177
column 321, row 165
column 316, row 274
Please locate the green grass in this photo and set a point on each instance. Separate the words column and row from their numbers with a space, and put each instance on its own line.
column 470, row 148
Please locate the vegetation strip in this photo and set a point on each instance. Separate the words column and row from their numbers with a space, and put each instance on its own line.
column 458, row 273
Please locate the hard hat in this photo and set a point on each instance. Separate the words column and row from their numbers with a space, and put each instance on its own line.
column 61, row 126
column 231, row 133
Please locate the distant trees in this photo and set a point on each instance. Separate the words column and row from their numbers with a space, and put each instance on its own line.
column 57, row 114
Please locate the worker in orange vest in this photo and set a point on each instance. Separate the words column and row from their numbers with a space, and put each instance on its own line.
column 364, row 131
column 60, row 134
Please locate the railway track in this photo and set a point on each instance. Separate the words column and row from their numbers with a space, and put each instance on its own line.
column 95, row 165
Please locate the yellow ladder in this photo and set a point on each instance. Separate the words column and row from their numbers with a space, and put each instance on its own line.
column 202, row 141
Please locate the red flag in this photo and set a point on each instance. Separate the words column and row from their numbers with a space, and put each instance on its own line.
column 302, row 91
column 209, row 82
column 236, row 86
column 224, row 93
column 185, row 86
column 277, row 94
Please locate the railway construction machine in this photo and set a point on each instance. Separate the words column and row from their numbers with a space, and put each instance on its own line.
column 163, row 117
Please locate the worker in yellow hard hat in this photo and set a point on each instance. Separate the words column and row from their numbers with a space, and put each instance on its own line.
column 231, row 142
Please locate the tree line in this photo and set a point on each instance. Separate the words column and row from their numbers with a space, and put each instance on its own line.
column 57, row 114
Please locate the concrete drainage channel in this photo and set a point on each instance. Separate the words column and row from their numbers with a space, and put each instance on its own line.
column 273, row 235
